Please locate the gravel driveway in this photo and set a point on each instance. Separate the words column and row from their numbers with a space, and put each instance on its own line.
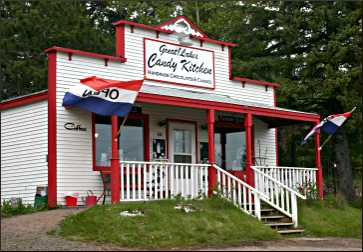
column 29, row 232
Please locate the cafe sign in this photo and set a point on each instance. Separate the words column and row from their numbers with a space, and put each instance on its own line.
column 173, row 63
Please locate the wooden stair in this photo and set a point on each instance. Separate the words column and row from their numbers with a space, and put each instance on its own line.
column 278, row 221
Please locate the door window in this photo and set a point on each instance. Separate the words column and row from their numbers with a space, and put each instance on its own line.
column 182, row 145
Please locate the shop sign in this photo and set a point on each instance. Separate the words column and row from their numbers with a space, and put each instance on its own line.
column 173, row 63
column 73, row 126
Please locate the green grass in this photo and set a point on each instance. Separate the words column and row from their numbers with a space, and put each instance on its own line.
column 217, row 223
column 332, row 217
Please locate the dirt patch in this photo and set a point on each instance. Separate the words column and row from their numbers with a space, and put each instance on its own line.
column 29, row 232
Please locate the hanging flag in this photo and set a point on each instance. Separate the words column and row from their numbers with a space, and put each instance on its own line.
column 329, row 125
column 104, row 97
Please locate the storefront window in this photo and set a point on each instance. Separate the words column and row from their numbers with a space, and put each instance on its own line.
column 131, row 140
column 230, row 149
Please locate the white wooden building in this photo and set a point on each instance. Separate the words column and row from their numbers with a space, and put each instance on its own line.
column 193, row 122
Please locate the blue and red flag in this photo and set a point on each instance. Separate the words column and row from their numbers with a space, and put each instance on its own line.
column 104, row 97
column 329, row 125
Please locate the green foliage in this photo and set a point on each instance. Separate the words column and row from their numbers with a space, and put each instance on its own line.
column 331, row 217
column 8, row 209
column 216, row 222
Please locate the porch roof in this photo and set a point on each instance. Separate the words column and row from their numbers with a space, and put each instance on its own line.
column 207, row 100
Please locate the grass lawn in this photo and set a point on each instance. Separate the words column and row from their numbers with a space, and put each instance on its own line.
column 331, row 217
column 216, row 222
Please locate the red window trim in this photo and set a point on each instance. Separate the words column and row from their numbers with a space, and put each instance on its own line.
column 171, row 120
column 132, row 115
column 24, row 100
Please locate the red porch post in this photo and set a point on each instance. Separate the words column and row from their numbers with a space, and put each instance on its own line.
column 319, row 172
column 248, row 127
column 211, row 153
column 115, row 163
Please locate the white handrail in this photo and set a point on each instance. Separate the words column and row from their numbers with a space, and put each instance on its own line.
column 147, row 180
column 279, row 183
column 285, row 167
column 281, row 197
column 245, row 197
column 297, row 178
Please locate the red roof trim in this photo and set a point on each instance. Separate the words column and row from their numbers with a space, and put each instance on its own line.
column 173, row 20
column 155, row 28
column 256, row 82
column 147, row 27
column 84, row 53
column 24, row 100
column 193, row 103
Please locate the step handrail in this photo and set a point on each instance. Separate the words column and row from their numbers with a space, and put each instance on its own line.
column 285, row 167
column 240, row 181
column 279, row 183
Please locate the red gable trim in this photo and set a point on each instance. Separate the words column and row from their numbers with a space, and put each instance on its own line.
column 173, row 20
column 256, row 82
column 143, row 26
column 24, row 100
column 155, row 28
column 84, row 53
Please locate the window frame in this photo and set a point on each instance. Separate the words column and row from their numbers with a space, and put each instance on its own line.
column 146, row 134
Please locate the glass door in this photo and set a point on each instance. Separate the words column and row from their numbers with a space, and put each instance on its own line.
column 182, row 142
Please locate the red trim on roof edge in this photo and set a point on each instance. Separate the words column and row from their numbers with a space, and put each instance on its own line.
column 20, row 101
column 84, row 53
column 256, row 82
column 193, row 103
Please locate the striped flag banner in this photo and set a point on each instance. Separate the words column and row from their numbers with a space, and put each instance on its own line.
column 102, row 96
column 329, row 125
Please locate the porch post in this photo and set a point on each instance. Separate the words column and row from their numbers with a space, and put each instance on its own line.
column 319, row 172
column 248, row 127
column 211, row 153
column 115, row 163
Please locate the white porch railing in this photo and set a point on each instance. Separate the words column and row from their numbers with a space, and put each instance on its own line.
column 240, row 193
column 161, row 180
column 300, row 179
column 280, row 196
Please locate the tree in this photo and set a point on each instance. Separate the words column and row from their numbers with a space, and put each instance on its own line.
column 29, row 27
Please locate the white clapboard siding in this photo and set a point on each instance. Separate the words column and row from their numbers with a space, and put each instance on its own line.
column 24, row 138
column 264, row 140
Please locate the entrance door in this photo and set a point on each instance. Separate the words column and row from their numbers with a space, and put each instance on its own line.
column 182, row 149
column 181, row 142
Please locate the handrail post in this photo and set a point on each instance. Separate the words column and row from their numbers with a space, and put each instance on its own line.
column 257, row 206
column 211, row 152
column 294, row 209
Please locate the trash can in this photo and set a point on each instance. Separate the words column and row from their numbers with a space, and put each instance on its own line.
column 40, row 201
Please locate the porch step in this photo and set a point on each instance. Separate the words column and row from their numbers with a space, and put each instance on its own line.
column 275, row 224
column 273, row 217
column 291, row 231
